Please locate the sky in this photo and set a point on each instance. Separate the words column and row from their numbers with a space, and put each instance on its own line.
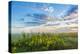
column 32, row 14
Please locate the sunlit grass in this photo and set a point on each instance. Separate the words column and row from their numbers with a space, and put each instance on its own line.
column 27, row 42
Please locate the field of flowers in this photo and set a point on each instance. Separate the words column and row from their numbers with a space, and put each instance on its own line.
column 28, row 42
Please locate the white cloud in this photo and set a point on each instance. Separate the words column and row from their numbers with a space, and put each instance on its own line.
column 49, row 9
column 55, row 26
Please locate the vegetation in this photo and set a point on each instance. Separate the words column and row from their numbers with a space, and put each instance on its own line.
column 27, row 42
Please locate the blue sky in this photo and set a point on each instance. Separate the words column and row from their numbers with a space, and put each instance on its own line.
column 24, row 14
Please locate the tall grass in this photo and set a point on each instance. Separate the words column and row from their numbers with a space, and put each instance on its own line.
column 44, row 41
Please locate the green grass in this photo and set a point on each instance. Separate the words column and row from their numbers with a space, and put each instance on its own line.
column 27, row 42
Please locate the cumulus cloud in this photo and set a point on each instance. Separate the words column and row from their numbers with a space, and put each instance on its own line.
column 49, row 9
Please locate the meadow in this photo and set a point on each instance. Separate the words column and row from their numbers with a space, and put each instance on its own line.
column 29, row 42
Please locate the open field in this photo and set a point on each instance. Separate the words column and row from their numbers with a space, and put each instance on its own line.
column 27, row 42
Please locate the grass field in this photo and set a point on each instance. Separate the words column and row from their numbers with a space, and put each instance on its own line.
column 27, row 42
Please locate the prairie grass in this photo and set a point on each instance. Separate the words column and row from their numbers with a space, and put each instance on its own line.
column 27, row 42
